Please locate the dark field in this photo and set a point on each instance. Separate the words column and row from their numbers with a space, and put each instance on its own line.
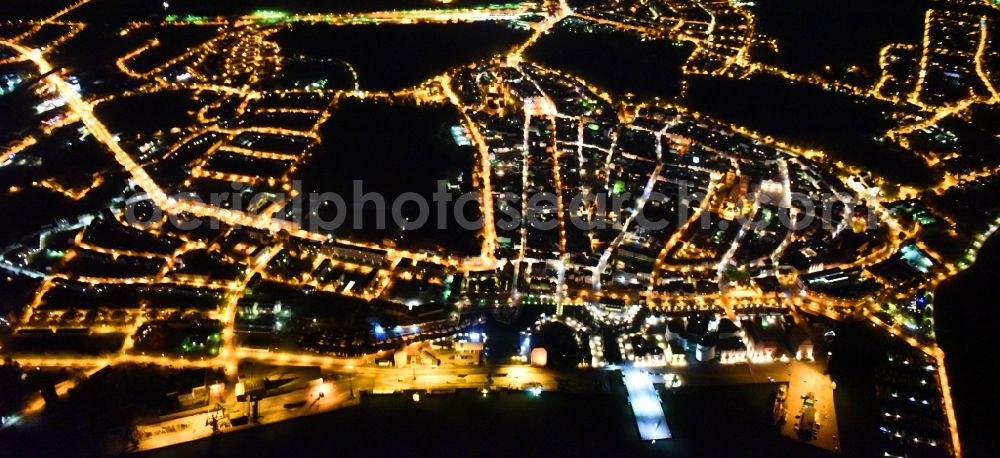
column 64, row 344
column 392, row 149
column 68, row 161
column 814, row 33
column 63, row 157
column 45, row 34
column 18, row 292
column 618, row 61
column 148, row 113
column 26, row 204
column 91, row 54
column 729, row 420
column 805, row 115
column 118, row 11
column 30, row 9
column 17, row 113
column 397, row 56
column 174, row 41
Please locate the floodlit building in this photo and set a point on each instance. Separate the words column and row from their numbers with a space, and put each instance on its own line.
column 469, row 350
column 801, row 344
column 705, row 350
column 764, row 335
column 400, row 358
column 731, row 349
column 539, row 357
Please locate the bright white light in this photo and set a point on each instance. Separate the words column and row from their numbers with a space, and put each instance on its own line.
column 646, row 406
